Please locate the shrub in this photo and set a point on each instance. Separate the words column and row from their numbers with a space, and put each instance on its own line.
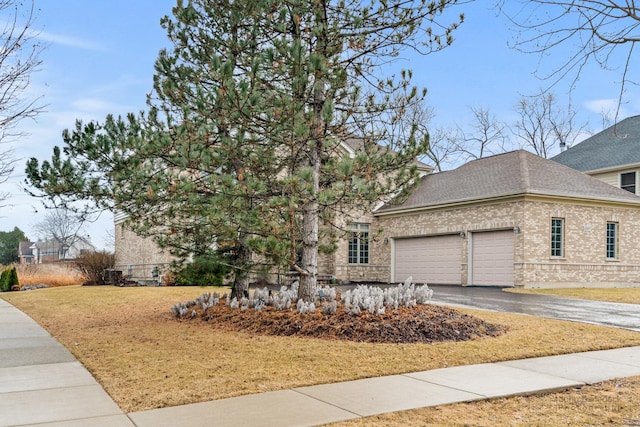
column 376, row 300
column 169, row 278
column 4, row 280
column 208, row 270
column 13, row 279
column 93, row 264
column 9, row 279
column 354, row 301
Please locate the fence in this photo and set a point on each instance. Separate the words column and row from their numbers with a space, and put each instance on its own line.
column 145, row 274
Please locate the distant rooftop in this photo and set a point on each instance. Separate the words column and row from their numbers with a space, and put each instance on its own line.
column 24, row 248
column 356, row 144
column 615, row 146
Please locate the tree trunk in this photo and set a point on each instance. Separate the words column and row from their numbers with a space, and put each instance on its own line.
column 310, row 219
column 240, row 285
column 311, row 209
column 241, row 269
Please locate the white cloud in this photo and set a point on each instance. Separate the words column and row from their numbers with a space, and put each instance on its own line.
column 602, row 106
column 68, row 41
column 25, row 212
column 611, row 109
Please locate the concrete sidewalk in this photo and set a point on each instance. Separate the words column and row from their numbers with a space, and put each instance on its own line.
column 42, row 384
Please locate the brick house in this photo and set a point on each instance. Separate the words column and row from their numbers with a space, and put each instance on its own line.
column 137, row 256
column 513, row 219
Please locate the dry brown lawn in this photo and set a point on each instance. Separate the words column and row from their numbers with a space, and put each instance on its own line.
column 625, row 295
column 146, row 359
column 613, row 403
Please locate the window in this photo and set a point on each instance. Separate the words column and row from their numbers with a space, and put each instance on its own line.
column 359, row 244
column 557, row 237
column 628, row 181
column 612, row 240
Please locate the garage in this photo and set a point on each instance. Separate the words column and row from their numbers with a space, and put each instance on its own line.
column 492, row 258
column 435, row 260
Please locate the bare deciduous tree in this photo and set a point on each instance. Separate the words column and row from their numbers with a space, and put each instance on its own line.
column 442, row 152
column 63, row 227
column 600, row 32
column 19, row 55
column 484, row 136
column 543, row 126
column 442, row 148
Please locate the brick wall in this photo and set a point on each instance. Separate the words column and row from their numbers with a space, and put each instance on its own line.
column 584, row 262
column 378, row 268
column 135, row 255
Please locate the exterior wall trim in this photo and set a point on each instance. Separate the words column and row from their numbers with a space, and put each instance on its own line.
column 613, row 264
column 613, row 169
column 580, row 201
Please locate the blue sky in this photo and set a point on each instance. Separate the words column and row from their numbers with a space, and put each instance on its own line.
column 100, row 57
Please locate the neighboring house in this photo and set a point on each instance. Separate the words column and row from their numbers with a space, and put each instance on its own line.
column 513, row 219
column 50, row 250
column 612, row 156
column 25, row 253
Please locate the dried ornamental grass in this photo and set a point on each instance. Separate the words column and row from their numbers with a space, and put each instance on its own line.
column 52, row 275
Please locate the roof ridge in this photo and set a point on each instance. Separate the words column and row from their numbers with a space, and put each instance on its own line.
column 508, row 174
column 524, row 170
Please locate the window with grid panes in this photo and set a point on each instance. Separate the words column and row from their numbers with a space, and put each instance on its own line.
column 557, row 237
column 612, row 240
column 359, row 244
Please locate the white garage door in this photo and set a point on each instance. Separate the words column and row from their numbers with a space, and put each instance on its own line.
column 434, row 260
column 492, row 258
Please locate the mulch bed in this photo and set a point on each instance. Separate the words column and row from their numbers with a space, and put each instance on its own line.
column 421, row 324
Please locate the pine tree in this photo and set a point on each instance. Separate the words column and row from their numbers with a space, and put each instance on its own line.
column 328, row 83
column 243, row 144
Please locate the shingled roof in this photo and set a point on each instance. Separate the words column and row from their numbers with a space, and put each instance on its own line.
column 510, row 174
column 615, row 146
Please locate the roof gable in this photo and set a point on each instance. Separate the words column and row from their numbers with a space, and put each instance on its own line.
column 352, row 145
column 24, row 248
column 616, row 146
column 510, row 174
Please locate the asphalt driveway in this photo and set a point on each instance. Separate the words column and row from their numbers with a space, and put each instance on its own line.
column 626, row 316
